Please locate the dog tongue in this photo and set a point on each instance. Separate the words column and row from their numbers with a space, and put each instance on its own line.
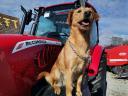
column 85, row 23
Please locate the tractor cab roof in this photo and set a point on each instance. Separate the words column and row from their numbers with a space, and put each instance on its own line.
column 67, row 5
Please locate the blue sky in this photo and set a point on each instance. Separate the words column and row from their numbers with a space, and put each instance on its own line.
column 113, row 13
column 114, row 19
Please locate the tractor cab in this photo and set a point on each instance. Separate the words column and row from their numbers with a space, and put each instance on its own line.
column 51, row 22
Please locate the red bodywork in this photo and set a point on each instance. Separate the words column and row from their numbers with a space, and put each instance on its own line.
column 18, row 70
column 95, row 60
column 117, row 56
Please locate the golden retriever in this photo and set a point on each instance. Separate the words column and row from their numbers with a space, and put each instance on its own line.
column 68, row 66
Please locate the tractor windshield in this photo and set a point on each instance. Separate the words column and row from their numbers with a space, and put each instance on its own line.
column 51, row 22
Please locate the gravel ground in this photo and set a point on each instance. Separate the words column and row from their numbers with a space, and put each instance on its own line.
column 116, row 87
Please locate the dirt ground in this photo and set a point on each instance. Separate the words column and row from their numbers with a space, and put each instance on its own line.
column 116, row 87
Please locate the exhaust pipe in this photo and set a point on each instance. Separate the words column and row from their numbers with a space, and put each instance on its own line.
column 83, row 3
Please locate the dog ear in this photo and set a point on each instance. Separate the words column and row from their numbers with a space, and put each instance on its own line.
column 69, row 19
column 96, row 16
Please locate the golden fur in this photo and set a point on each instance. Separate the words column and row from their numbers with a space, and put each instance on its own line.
column 68, row 65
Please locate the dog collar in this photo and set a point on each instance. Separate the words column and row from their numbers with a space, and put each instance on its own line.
column 75, row 51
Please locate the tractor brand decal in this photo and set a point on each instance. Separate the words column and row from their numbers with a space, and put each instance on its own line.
column 118, row 60
column 123, row 54
column 35, row 42
column 31, row 43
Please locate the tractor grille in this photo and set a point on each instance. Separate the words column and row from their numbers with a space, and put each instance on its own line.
column 48, row 56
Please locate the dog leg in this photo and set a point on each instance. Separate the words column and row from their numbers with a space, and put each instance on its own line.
column 54, row 83
column 56, row 88
column 68, row 83
column 48, row 78
column 78, row 86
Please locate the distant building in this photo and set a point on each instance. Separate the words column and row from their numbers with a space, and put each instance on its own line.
column 8, row 24
column 125, row 42
column 117, row 40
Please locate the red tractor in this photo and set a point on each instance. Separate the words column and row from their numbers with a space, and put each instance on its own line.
column 22, row 56
column 117, row 60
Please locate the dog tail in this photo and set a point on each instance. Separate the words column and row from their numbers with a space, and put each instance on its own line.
column 41, row 75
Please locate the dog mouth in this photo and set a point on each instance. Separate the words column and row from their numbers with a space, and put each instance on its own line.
column 85, row 22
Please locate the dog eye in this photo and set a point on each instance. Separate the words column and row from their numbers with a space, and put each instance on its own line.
column 78, row 11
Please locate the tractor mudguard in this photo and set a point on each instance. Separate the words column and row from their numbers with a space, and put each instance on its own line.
column 95, row 60
column 117, row 56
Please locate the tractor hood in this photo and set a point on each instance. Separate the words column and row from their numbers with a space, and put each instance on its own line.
column 17, row 66
column 18, row 42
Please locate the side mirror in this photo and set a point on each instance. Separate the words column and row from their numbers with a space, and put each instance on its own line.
column 79, row 3
column 27, row 18
column 23, row 9
column 27, row 15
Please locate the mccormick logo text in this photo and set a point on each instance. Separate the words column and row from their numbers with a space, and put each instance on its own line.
column 35, row 42
column 22, row 45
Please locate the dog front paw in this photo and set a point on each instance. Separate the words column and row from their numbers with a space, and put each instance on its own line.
column 57, row 90
column 78, row 93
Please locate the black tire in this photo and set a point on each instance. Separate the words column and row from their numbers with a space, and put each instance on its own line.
column 43, row 88
column 98, row 84
column 48, row 91
column 39, row 88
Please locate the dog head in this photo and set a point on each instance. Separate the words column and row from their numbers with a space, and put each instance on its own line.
column 82, row 18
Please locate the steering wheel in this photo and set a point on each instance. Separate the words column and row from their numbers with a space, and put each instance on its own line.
column 62, row 36
column 56, row 34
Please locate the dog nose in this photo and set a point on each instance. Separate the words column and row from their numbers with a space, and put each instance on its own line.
column 87, row 14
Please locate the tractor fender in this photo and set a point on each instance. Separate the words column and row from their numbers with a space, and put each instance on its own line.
column 95, row 60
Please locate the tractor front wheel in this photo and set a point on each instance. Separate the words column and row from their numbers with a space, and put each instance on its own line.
column 98, row 84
